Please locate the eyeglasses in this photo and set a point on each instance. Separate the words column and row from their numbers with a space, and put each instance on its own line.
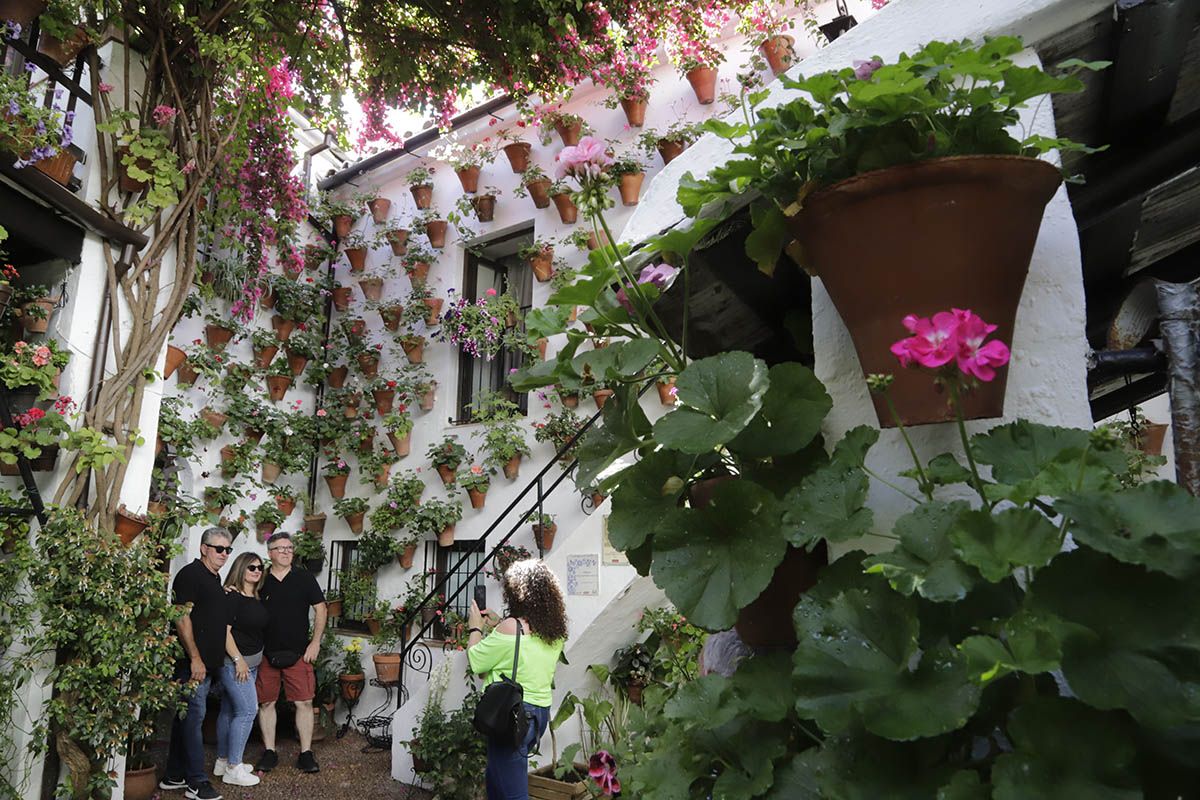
column 281, row 549
column 220, row 548
column 254, row 567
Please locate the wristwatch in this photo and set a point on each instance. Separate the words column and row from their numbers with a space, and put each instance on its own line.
column 474, row 630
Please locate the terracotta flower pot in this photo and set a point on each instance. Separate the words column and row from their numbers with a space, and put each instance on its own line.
column 352, row 686
column 446, row 536
column 631, row 187
column 277, row 386
column 372, row 287
column 341, row 297
column 264, row 530
column 401, row 444
column 369, row 364
column 518, row 155
column 543, row 265
column 398, row 240
column 512, row 467
column 379, row 208
column 1152, row 437
column 384, row 400
column 768, row 620
column 596, row 242
column 391, row 316
column 418, row 272
column 381, row 476
column 665, row 395
column 670, row 149
column 387, row 667
column 285, row 505
column 268, row 300
column 569, row 133
column 22, row 11
column 175, row 357
column 59, row 167
column 434, row 304
column 264, row 356
column 469, row 178
column 125, row 182
column 542, row 344
column 314, row 523
column 217, row 336
column 214, row 418
column 539, row 192
column 445, row 473
column 704, row 84
column 422, row 195
column 337, row 376
column 567, row 211
column 414, row 349
column 314, row 255
column 141, row 784
column 435, row 230
column 271, row 471
column 946, row 233
column 357, row 257
column 128, row 525
column 350, row 405
column 187, row 374
column 342, row 223
column 429, row 397
column 355, row 521
column 635, row 110
column 252, row 434
column 570, row 400
column 543, row 535
column 779, row 52
column 405, row 557
column 633, row 690
column 283, row 327
column 334, row 607
column 337, row 485
column 600, row 396
column 297, row 363
column 478, row 498
column 485, row 207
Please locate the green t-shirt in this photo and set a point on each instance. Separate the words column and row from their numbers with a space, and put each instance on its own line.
column 493, row 657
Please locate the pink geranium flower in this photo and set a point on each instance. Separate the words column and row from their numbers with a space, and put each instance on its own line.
column 602, row 768
column 933, row 343
column 583, row 161
column 863, row 70
column 975, row 357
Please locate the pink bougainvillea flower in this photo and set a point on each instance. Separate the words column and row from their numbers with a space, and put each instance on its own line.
column 975, row 357
column 602, row 768
column 863, row 70
column 583, row 161
column 934, row 342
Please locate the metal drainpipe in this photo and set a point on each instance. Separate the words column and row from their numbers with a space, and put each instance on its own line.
column 1179, row 321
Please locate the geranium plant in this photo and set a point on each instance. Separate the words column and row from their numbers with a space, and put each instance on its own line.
column 35, row 365
column 448, row 453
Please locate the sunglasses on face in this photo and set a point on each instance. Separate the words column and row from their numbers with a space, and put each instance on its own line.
column 221, row 548
column 254, row 567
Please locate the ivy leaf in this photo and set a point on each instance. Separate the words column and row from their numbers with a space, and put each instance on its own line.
column 1131, row 638
column 714, row 561
column 1156, row 524
column 1047, row 762
column 718, row 396
column 857, row 661
column 1000, row 542
column 925, row 560
column 648, row 493
column 624, row 427
column 792, row 410
column 829, row 504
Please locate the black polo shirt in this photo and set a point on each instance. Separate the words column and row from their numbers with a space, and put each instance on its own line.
column 197, row 585
column 288, row 602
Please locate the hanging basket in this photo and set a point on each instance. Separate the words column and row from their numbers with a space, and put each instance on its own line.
column 128, row 525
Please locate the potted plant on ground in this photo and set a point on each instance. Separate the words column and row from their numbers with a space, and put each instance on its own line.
column 438, row 518
column 446, row 456
column 353, row 510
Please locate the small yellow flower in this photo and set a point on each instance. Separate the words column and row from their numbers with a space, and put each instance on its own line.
column 354, row 645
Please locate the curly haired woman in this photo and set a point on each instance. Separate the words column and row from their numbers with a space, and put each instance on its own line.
column 534, row 601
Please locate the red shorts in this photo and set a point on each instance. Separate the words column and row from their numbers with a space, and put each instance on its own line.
column 299, row 682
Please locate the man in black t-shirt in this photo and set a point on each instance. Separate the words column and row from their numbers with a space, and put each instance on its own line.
column 289, row 652
column 202, row 635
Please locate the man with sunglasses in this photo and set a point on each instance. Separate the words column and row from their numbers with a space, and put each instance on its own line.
column 289, row 651
column 202, row 634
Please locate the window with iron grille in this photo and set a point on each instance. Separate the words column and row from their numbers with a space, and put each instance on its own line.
column 443, row 559
column 343, row 560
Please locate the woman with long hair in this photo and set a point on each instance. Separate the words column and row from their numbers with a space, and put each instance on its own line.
column 244, row 652
column 534, row 601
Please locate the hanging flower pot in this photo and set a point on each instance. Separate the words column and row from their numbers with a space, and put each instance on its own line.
column 435, row 229
column 542, row 344
column 391, row 316
column 485, row 207
column 600, row 396
column 250, row 434
column 283, row 327
column 355, row 521
column 125, row 182
column 379, row 208
column 666, row 391
column 767, row 621
column 214, row 418
column 342, row 223
column 429, row 397
column 297, row 363
column 469, row 178
column 314, row 523
column 401, row 444
column 569, row 399
column 175, row 357
column 543, row 535
column 704, row 84
column 635, row 110
column 567, row 211
column 597, row 499
column 434, row 304
column 128, row 525
column 418, row 272
column 369, row 364
column 381, row 476
column 36, row 314
column 277, row 386
column 446, row 474
column 973, row 254
column 569, row 132
column 518, row 155
column 398, row 240
column 387, row 667
column 542, row 265
column 371, row 286
column 414, row 348
column 405, row 557
column 779, row 52
column 268, row 300
column 286, row 505
column 446, row 536
column 59, row 167
column 670, row 149
column 334, row 607
column 315, row 254
column 539, row 192
column 512, row 467
column 384, row 400
column 187, row 374
column 357, row 257
column 264, row 530
column 631, row 187
column 217, row 336
column 429, row 613
column 478, row 497
column 350, row 405
column 633, row 691
column 422, row 195
column 337, row 377
column 263, row 356
column 352, row 686
column 341, row 297
column 228, row 454
column 1151, row 437
column 595, row 242
column 271, row 471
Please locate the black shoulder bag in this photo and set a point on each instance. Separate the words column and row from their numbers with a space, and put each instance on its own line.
column 500, row 713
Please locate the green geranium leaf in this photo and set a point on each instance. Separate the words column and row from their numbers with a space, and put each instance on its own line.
column 857, row 662
column 998, row 543
column 851, row 451
column 681, row 241
column 863, row 767
column 546, row 321
column 714, row 561
column 828, row 505
column 965, row 785
column 943, row 470
column 1156, row 524
column 792, row 410
column 718, row 397
column 648, row 493
column 634, row 356
column 584, row 292
column 533, row 376
column 761, row 687
column 925, row 560
column 769, row 236
column 1030, row 645
column 1071, row 471
column 1048, row 764
column 624, row 427
column 1130, row 638
column 1020, row 450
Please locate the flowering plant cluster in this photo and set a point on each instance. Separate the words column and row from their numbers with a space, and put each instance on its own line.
column 474, row 326
column 29, row 129
column 34, row 365
column 954, row 335
column 475, row 477
column 352, row 657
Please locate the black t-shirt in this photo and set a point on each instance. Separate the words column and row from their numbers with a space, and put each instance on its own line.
column 248, row 617
column 288, row 602
column 195, row 584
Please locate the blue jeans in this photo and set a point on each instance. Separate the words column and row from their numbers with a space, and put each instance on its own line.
column 185, row 758
column 239, row 706
column 508, row 767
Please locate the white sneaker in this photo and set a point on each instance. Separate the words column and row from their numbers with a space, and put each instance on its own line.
column 241, row 775
column 220, row 767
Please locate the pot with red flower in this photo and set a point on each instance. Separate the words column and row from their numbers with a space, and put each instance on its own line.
column 446, row 457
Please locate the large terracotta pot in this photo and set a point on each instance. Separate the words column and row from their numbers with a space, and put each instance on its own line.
column 567, row 211
column 704, row 84
column 422, row 195
column 469, row 178
column 539, row 192
column 768, row 620
column 485, row 207
column 944, row 233
column 398, row 239
column 387, row 667
column 635, row 110
column 141, row 784
column 518, row 155
column 342, row 223
column 631, row 187
column 175, row 357
column 569, row 133
column 543, row 265
column 779, row 52
column 379, row 208
column 435, row 230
